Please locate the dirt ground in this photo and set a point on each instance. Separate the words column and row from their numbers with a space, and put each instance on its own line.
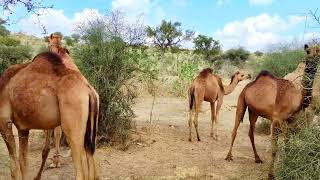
column 161, row 150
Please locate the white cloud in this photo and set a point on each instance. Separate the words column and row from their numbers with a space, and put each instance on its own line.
column 55, row 20
column 256, row 33
column 261, row 2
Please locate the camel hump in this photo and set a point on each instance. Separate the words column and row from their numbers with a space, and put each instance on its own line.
column 205, row 72
column 265, row 73
column 51, row 57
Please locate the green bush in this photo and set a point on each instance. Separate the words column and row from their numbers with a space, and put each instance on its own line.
column 187, row 71
column 109, row 65
column 300, row 157
column 237, row 56
column 5, row 40
column 10, row 55
column 279, row 63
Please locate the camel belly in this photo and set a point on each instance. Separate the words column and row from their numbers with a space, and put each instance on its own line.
column 34, row 104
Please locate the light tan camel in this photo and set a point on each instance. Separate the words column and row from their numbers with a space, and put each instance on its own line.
column 208, row 87
column 275, row 99
column 49, row 92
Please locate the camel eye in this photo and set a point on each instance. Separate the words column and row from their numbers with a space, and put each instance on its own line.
column 242, row 75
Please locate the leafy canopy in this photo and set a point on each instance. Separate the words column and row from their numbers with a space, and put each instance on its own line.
column 206, row 45
column 168, row 34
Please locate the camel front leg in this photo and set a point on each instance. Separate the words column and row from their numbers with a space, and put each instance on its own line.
column 45, row 153
column 23, row 153
column 7, row 135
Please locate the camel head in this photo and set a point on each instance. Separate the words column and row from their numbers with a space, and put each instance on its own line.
column 54, row 42
column 241, row 75
column 312, row 52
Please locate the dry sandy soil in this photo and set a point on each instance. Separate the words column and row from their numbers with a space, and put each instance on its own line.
column 161, row 150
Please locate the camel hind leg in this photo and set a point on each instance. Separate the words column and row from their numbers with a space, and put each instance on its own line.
column 215, row 114
column 191, row 114
column 79, row 125
column 241, row 109
column 253, row 119
column 199, row 97
column 8, row 137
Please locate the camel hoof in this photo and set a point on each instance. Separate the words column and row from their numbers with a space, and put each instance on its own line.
column 271, row 176
column 216, row 138
column 190, row 140
column 199, row 139
column 258, row 161
column 229, row 157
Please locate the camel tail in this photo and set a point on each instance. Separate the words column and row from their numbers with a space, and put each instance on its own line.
column 191, row 97
column 91, row 129
column 241, row 107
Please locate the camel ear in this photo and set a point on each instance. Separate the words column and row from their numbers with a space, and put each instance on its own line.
column 237, row 72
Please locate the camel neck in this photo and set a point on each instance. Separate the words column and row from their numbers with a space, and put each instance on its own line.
column 308, row 80
column 230, row 88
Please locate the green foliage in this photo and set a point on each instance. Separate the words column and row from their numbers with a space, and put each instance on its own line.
column 69, row 40
column 206, row 45
column 168, row 34
column 237, row 55
column 3, row 31
column 10, row 55
column 75, row 37
column 7, row 41
column 258, row 53
column 109, row 65
column 279, row 63
column 299, row 158
column 263, row 126
column 11, row 52
column 187, row 71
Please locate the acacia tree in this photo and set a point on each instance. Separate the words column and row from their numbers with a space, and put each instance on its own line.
column 206, row 45
column 168, row 34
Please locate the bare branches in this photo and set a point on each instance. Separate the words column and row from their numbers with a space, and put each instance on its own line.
column 30, row 6
column 315, row 15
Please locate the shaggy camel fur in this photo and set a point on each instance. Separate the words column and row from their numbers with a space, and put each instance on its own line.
column 275, row 99
column 208, row 87
column 49, row 92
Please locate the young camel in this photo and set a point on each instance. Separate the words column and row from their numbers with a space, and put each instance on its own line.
column 275, row 99
column 208, row 87
column 46, row 93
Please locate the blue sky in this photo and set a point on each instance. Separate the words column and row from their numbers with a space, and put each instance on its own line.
column 253, row 24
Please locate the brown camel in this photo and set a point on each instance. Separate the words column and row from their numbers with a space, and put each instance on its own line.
column 49, row 92
column 208, row 87
column 276, row 99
